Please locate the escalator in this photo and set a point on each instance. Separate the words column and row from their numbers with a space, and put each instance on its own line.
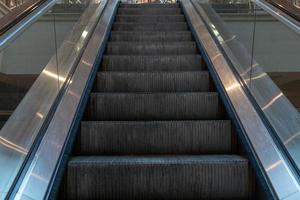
column 155, row 126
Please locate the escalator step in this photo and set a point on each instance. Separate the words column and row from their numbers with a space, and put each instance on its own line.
column 149, row 5
column 154, row 137
column 150, row 18
column 149, row 11
column 160, row 177
column 153, row 106
column 151, row 48
column 152, row 63
column 151, row 36
column 154, row 128
column 150, row 26
column 153, row 81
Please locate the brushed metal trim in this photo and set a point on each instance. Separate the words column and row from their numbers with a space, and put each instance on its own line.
column 41, row 170
column 270, row 100
column 275, row 167
column 25, row 124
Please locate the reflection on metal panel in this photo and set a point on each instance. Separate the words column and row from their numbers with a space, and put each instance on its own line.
column 280, row 15
column 46, row 160
column 278, row 173
column 264, row 52
column 291, row 7
column 25, row 124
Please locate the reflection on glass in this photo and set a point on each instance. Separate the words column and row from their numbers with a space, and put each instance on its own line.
column 8, row 6
column 264, row 51
column 276, row 50
column 22, row 61
column 12, row 4
column 66, row 14
column 4, row 9
column 13, row 146
column 274, row 165
column 232, row 24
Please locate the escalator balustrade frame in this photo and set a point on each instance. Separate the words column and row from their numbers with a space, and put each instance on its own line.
column 266, row 156
column 61, row 130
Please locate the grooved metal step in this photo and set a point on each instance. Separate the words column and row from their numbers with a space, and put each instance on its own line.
column 162, row 177
column 151, row 48
column 154, row 137
column 153, row 127
column 149, row 36
column 153, row 106
column 150, row 18
column 150, row 26
column 149, row 11
column 149, row 5
column 153, row 82
column 152, row 63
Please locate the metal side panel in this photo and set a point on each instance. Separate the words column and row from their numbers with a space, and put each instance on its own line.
column 275, row 168
column 269, row 99
column 39, row 176
column 24, row 127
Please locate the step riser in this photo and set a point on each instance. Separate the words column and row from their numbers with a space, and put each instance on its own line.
column 149, row 11
column 200, row 180
column 151, row 48
column 179, row 137
column 159, row 106
column 152, row 63
column 150, row 18
column 151, row 36
column 149, row 5
column 153, row 82
column 150, row 27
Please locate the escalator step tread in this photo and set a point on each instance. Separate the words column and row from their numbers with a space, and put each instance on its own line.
column 150, row 26
column 151, row 48
column 154, row 128
column 154, row 137
column 149, row 36
column 158, row 177
column 197, row 81
column 152, row 63
column 154, row 106
column 149, row 11
column 149, row 5
column 150, row 18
